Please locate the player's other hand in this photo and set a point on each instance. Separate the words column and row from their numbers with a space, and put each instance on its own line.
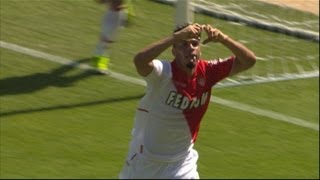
column 189, row 32
column 214, row 34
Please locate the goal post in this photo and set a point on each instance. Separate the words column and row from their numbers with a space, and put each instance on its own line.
column 184, row 12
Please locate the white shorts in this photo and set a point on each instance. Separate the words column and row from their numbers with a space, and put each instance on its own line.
column 138, row 166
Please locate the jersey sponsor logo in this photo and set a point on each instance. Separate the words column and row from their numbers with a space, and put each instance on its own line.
column 182, row 102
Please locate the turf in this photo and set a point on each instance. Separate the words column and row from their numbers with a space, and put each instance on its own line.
column 59, row 121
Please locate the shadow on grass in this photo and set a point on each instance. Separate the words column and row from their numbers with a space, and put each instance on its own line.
column 70, row 106
column 38, row 81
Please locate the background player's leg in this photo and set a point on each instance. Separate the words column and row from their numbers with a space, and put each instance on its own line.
column 110, row 25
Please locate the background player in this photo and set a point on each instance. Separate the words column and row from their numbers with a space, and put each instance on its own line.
column 118, row 13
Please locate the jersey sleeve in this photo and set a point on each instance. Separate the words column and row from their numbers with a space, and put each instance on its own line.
column 160, row 71
column 219, row 69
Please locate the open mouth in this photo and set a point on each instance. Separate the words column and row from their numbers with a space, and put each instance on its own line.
column 192, row 62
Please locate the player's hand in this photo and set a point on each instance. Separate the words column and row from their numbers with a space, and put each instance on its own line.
column 191, row 31
column 214, row 34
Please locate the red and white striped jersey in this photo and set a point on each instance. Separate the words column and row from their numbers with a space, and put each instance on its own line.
column 168, row 117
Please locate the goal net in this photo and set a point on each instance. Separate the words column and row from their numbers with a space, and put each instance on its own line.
column 285, row 40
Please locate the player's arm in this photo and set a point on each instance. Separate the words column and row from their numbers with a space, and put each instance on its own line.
column 245, row 58
column 143, row 59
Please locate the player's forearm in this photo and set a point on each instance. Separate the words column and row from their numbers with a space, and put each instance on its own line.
column 143, row 59
column 243, row 54
column 152, row 51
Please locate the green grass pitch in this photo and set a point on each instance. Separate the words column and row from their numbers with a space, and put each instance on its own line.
column 58, row 121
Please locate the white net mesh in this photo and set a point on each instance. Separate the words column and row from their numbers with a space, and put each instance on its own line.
column 285, row 40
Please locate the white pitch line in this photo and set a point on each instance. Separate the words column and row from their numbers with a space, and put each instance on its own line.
column 266, row 113
column 228, row 103
column 62, row 60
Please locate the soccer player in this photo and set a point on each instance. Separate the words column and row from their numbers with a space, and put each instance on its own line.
column 168, row 117
column 118, row 14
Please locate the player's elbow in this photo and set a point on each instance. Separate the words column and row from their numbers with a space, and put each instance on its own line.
column 251, row 60
column 138, row 59
column 243, row 63
column 143, row 66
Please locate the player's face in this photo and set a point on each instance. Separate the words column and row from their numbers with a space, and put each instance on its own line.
column 187, row 53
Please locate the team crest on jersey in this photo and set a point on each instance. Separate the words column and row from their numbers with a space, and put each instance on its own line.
column 201, row 81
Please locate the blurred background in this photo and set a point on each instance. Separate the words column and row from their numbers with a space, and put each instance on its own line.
column 59, row 119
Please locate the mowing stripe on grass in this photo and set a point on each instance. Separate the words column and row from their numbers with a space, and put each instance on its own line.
column 122, row 77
